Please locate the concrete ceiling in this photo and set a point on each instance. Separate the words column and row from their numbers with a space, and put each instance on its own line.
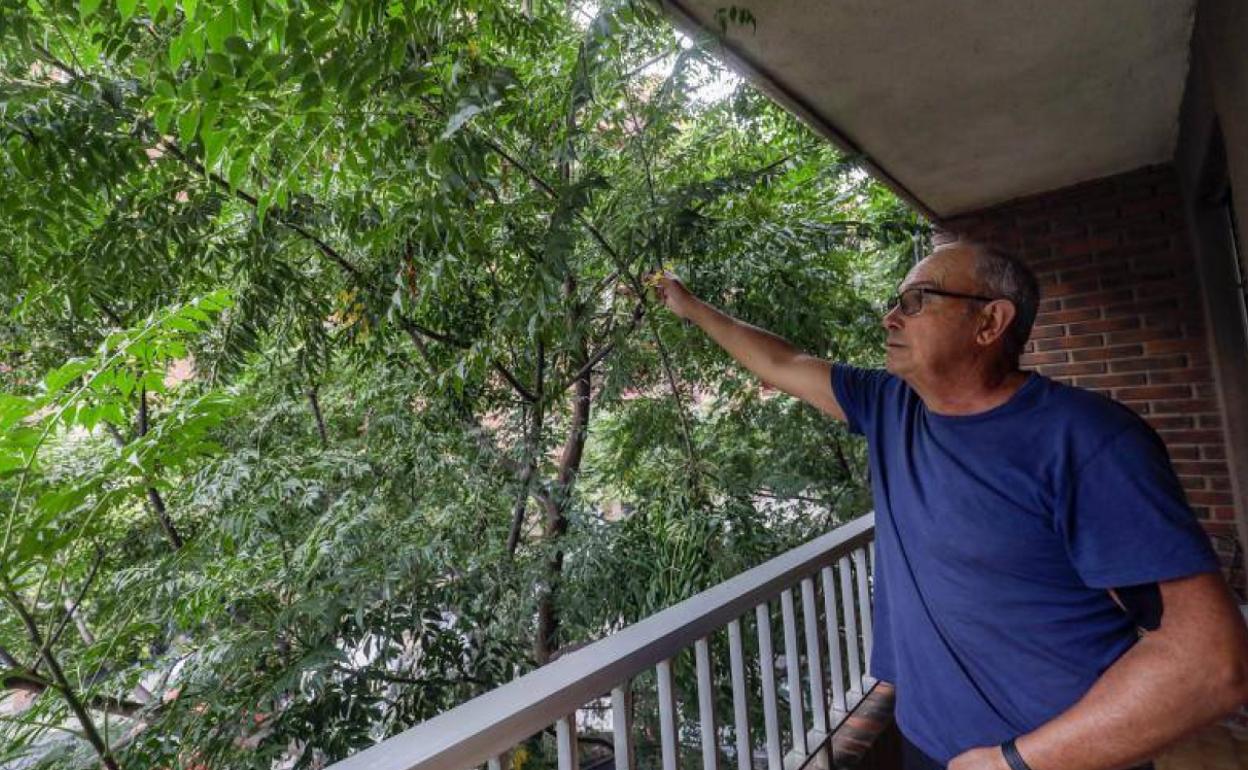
column 960, row 104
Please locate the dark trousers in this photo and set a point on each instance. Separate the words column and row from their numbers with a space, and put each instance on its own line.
column 913, row 758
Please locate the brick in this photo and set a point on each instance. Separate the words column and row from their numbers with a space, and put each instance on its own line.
column 1085, row 245
column 1105, row 325
column 1159, row 258
column 1170, row 422
column 1052, row 357
column 1192, row 437
column 1068, row 229
column 1070, row 343
column 1063, row 370
column 1144, row 335
column 1181, row 452
column 1068, row 316
column 1071, row 288
column 1210, row 498
column 1175, row 346
column 1215, row 450
column 1192, row 484
column 1045, row 332
column 1210, row 420
column 1198, row 467
column 1150, row 392
column 1185, row 406
column 1057, row 263
column 1220, row 483
column 1117, row 280
column 1160, row 243
column 1047, row 305
column 1149, row 303
column 1110, row 380
column 1093, row 271
column 1149, row 364
column 1225, row 513
column 1186, row 374
column 1100, row 298
column 1182, row 290
column 1102, row 354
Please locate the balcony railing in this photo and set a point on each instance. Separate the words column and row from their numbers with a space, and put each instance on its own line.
column 829, row 577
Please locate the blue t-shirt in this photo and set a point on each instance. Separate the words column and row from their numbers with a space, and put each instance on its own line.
column 996, row 536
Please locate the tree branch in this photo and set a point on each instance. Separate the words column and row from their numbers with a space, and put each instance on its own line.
column 247, row 197
column 82, row 594
column 60, row 681
column 532, row 443
column 315, row 403
column 153, row 496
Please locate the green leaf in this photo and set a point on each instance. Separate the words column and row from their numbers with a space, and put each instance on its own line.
column 214, row 145
column 220, row 28
column 188, row 125
column 179, row 47
column 56, row 380
column 14, row 408
column 238, row 171
column 188, row 8
column 87, row 7
column 236, row 46
column 164, row 117
column 127, row 8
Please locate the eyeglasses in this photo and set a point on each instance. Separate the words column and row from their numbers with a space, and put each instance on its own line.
column 911, row 301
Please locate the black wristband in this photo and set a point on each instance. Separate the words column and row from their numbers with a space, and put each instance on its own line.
column 1012, row 757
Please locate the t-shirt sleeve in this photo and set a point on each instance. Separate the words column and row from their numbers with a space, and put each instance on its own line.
column 858, row 391
column 1126, row 521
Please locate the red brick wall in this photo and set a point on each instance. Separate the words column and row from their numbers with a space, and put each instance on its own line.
column 1120, row 313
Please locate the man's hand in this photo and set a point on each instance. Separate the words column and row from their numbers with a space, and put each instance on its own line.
column 986, row 758
column 669, row 290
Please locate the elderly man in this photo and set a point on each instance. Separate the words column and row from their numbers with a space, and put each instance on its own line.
column 1044, row 596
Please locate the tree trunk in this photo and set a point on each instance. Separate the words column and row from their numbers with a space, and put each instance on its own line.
column 556, row 504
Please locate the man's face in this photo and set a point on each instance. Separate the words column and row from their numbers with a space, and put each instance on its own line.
column 940, row 339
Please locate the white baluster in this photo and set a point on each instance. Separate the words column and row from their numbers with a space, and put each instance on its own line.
column 706, row 704
column 622, row 727
column 836, row 667
column 851, row 633
column 793, row 672
column 767, row 667
column 740, row 706
column 814, row 656
column 667, row 715
column 565, row 737
column 864, row 609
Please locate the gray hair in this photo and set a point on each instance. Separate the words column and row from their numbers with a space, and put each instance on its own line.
column 1004, row 275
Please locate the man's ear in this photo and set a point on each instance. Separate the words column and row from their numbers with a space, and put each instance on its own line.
column 995, row 318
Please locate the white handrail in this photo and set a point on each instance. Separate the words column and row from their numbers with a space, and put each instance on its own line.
column 472, row 733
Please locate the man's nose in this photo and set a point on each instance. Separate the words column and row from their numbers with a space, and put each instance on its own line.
column 892, row 319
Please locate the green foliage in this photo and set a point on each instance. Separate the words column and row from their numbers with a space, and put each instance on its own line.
column 300, row 293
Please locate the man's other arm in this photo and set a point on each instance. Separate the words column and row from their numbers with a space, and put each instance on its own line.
column 773, row 359
column 1189, row 672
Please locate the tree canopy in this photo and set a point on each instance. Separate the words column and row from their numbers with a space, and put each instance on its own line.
column 333, row 395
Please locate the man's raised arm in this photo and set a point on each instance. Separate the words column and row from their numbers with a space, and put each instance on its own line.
column 774, row 360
